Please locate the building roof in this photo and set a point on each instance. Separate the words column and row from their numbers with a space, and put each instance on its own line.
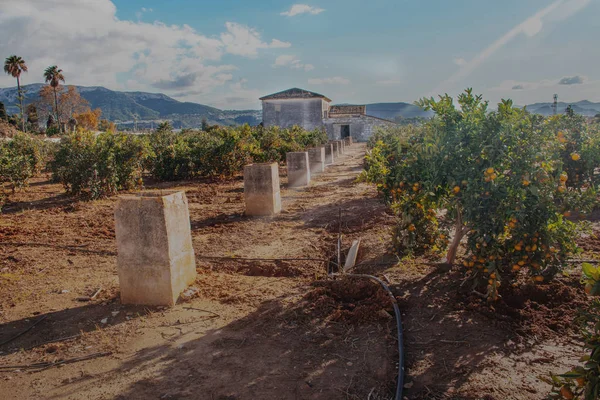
column 295, row 93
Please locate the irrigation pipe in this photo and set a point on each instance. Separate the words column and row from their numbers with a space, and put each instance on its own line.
column 216, row 258
column 385, row 287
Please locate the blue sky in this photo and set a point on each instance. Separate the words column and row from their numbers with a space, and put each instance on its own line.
column 228, row 53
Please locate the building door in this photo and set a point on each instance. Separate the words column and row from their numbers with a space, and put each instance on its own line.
column 345, row 131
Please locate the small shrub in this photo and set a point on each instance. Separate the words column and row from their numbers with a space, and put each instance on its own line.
column 20, row 159
column 98, row 166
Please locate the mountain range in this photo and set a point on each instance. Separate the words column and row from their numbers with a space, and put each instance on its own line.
column 148, row 108
column 125, row 107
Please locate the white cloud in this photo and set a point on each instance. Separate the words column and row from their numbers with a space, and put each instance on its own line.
column 388, row 82
column 244, row 41
column 239, row 96
column 459, row 61
column 288, row 60
column 336, row 80
column 302, row 9
column 93, row 47
column 557, row 11
column 142, row 11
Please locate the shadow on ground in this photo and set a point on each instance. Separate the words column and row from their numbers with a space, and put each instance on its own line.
column 283, row 350
column 63, row 324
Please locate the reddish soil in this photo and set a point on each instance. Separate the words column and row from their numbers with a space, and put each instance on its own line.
column 253, row 330
column 263, row 329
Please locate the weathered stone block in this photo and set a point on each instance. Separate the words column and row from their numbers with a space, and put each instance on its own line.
column 298, row 168
column 155, row 260
column 336, row 149
column 316, row 159
column 261, row 189
column 329, row 154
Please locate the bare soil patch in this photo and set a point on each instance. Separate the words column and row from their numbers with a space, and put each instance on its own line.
column 252, row 330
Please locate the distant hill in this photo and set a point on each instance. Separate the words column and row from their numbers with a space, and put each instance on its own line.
column 124, row 107
column 584, row 107
column 390, row 111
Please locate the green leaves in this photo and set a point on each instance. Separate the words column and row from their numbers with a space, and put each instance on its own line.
column 592, row 272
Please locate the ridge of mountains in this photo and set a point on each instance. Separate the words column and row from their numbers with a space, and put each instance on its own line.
column 125, row 107
column 147, row 108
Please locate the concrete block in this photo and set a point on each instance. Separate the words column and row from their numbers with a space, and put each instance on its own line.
column 329, row 154
column 298, row 168
column 155, row 259
column 336, row 149
column 261, row 189
column 316, row 159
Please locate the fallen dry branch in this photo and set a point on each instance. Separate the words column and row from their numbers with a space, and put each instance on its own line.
column 63, row 339
column 45, row 365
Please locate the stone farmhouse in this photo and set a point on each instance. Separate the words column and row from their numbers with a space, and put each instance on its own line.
column 312, row 110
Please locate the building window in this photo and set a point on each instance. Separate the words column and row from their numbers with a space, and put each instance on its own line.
column 277, row 107
column 325, row 114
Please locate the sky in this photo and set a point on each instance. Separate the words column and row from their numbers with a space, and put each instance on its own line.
column 228, row 53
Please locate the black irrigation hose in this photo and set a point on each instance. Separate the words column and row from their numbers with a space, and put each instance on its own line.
column 385, row 287
column 215, row 258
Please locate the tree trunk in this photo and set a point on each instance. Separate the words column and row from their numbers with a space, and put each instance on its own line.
column 21, row 103
column 459, row 233
column 56, row 108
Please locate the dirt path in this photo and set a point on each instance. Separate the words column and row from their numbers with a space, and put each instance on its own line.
column 250, row 332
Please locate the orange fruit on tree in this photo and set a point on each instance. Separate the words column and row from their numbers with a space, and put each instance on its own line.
column 563, row 177
column 539, row 278
column 456, row 189
column 575, row 157
column 566, row 393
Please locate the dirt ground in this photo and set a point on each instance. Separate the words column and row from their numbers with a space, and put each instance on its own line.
column 260, row 330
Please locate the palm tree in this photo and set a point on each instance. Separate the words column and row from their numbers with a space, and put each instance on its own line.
column 15, row 65
column 53, row 75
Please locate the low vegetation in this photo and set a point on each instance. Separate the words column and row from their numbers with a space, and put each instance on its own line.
column 98, row 165
column 20, row 159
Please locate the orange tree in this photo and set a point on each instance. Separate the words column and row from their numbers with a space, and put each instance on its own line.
column 583, row 381
column 99, row 165
column 495, row 177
